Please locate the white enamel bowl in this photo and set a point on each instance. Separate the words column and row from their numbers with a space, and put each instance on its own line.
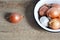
column 38, row 5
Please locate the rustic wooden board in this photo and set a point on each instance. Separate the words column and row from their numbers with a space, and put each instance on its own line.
column 27, row 29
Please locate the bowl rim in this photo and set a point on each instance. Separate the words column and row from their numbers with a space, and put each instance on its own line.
column 50, row 30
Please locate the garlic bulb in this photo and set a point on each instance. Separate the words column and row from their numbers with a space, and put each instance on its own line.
column 44, row 21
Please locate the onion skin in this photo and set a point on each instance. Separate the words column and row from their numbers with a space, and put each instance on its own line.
column 15, row 18
column 54, row 24
column 42, row 10
column 53, row 12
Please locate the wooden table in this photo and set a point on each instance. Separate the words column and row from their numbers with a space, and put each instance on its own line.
column 27, row 29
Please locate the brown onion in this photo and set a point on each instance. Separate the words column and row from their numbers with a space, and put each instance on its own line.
column 53, row 12
column 54, row 24
column 15, row 17
column 42, row 10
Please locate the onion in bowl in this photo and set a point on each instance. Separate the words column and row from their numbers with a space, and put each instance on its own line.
column 54, row 24
column 53, row 12
column 42, row 10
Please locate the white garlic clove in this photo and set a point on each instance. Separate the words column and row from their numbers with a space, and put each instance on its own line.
column 44, row 21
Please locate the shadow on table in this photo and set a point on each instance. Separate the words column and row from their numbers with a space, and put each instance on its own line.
column 30, row 14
